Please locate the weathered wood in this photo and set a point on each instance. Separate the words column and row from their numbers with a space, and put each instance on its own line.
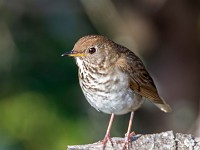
column 159, row 141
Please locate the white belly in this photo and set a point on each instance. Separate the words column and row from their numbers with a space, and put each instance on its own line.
column 111, row 94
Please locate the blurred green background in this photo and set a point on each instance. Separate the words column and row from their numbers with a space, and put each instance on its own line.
column 41, row 104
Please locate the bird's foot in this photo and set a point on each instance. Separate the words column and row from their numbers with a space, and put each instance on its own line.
column 127, row 140
column 105, row 140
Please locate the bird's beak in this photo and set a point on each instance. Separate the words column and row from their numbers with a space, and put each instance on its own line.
column 73, row 54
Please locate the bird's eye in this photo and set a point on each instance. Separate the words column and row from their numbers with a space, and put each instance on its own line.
column 92, row 50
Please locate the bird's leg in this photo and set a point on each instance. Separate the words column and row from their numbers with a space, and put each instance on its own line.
column 107, row 136
column 129, row 133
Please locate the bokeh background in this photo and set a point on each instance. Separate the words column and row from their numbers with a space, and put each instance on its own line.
column 41, row 104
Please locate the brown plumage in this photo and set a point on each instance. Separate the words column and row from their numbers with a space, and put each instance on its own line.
column 140, row 80
column 113, row 79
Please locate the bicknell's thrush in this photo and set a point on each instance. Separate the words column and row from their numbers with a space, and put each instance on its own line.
column 113, row 79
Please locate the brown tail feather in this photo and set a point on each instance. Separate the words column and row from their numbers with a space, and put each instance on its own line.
column 164, row 107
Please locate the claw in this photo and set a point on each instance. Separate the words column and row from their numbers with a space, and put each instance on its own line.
column 126, row 143
column 105, row 140
column 107, row 136
column 127, row 140
column 128, row 135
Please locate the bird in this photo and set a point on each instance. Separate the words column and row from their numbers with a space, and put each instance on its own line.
column 113, row 79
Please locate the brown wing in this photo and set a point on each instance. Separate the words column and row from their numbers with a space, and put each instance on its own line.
column 140, row 80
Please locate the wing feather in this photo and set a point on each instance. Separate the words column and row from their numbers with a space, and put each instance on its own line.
column 140, row 80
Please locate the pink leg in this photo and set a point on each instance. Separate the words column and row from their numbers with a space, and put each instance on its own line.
column 129, row 133
column 107, row 136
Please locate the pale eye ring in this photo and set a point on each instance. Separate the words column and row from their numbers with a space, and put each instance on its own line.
column 92, row 50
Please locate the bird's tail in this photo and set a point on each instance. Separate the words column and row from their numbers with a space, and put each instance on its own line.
column 164, row 107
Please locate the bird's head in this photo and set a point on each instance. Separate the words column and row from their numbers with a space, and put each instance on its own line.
column 94, row 49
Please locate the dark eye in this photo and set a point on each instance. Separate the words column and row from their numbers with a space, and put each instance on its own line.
column 92, row 50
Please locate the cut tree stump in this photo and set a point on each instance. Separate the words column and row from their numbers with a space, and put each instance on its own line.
column 159, row 141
